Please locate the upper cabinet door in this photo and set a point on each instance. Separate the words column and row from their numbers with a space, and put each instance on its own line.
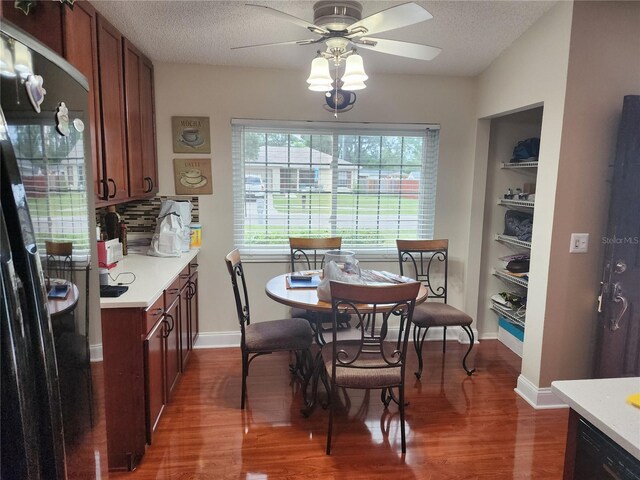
column 148, row 118
column 81, row 50
column 140, row 112
column 110, row 54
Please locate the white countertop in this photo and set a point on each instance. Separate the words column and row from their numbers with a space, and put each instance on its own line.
column 603, row 403
column 153, row 276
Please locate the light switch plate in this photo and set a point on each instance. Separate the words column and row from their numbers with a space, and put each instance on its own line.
column 579, row 243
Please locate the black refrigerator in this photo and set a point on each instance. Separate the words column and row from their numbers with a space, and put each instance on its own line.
column 46, row 194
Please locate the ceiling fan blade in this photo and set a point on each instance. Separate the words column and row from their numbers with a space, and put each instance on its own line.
column 397, row 47
column 278, row 44
column 290, row 18
column 392, row 18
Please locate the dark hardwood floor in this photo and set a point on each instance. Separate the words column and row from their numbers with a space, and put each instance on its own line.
column 458, row 427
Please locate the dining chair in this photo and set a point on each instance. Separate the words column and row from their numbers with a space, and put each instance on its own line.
column 261, row 338
column 425, row 257
column 372, row 360
column 308, row 254
column 72, row 347
column 59, row 262
column 59, row 265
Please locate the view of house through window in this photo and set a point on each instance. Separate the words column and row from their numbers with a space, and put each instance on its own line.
column 369, row 184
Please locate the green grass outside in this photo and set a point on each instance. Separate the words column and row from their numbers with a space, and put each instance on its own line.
column 364, row 204
column 57, row 204
column 279, row 235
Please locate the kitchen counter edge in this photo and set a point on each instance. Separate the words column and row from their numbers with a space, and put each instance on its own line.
column 603, row 403
column 153, row 276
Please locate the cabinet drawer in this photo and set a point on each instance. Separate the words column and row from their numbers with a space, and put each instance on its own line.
column 172, row 292
column 153, row 314
column 184, row 277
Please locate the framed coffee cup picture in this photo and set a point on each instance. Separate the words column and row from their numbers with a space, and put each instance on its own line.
column 192, row 176
column 191, row 134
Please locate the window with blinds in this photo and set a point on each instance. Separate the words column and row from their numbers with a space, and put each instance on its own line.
column 53, row 172
column 369, row 184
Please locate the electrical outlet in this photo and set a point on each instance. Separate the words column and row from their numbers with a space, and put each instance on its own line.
column 579, row 243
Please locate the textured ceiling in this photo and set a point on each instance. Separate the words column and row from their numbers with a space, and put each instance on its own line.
column 470, row 33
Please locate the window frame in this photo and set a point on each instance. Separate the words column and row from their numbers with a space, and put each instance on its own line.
column 428, row 169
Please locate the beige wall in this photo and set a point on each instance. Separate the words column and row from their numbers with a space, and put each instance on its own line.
column 604, row 65
column 577, row 61
column 223, row 93
column 532, row 71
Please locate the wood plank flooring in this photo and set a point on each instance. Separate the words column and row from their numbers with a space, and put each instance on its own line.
column 458, row 427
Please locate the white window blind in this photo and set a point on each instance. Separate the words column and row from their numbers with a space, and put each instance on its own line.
column 53, row 172
column 369, row 184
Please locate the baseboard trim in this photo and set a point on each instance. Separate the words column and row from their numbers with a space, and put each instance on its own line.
column 217, row 340
column 232, row 339
column 538, row 398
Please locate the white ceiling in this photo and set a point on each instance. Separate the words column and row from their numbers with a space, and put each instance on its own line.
column 471, row 33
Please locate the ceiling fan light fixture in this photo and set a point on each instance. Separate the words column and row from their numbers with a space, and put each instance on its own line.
column 353, row 85
column 320, row 78
column 354, row 70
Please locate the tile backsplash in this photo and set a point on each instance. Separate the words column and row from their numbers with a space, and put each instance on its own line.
column 140, row 215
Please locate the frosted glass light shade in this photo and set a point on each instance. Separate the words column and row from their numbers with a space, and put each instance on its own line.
column 22, row 63
column 320, row 78
column 354, row 70
column 351, row 86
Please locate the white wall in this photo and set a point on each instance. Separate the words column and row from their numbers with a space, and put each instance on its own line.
column 223, row 93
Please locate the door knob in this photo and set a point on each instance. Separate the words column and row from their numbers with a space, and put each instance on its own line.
column 620, row 267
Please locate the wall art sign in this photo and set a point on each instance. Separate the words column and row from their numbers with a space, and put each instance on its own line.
column 192, row 176
column 191, row 134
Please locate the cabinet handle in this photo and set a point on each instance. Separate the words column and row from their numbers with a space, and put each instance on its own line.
column 115, row 188
column 168, row 329
column 173, row 324
column 184, row 275
column 105, row 189
column 191, row 290
column 174, row 290
column 149, row 184
column 156, row 312
column 193, row 265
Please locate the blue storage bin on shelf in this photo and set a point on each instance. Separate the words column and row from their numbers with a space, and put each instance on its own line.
column 515, row 330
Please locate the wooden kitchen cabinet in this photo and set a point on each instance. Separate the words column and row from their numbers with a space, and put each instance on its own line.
column 44, row 22
column 110, row 53
column 173, row 365
column 140, row 113
column 194, row 326
column 154, row 368
column 81, row 50
column 185, row 337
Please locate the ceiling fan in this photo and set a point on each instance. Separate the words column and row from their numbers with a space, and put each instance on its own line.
column 339, row 24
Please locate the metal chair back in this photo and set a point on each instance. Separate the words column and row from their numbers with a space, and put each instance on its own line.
column 427, row 259
column 308, row 253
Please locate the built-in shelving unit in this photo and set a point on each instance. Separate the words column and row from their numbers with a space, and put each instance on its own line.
column 519, row 165
column 510, row 186
column 509, row 240
column 509, row 314
column 523, row 282
column 506, row 202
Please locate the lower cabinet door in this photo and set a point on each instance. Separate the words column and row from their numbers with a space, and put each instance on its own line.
column 194, row 327
column 185, row 339
column 154, row 360
column 172, row 316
